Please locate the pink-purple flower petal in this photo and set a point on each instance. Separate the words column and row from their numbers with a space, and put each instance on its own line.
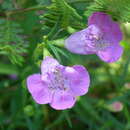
column 79, row 79
column 111, row 54
column 62, row 100
column 76, row 43
column 110, row 28
column 100, row 19
column 48, row 65
column 81, row 82
column 38, row 89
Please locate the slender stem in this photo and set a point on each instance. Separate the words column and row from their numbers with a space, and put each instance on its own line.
column 46, row 115
column 79, row 1
column 25, row 10
column 17, row 11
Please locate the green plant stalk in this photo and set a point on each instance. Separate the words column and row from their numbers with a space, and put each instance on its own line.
column 13, row 12
column 17, row 11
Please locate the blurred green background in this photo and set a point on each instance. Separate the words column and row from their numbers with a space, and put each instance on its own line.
column 29, row 30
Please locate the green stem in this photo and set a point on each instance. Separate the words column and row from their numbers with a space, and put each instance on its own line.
column 58, row 44
column 79, row 1
column 46, row 115
column 17, row 11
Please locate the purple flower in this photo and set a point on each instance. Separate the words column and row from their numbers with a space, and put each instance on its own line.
column 116, row 106
column 58, row 85
column 102, row 37
column 13, row 76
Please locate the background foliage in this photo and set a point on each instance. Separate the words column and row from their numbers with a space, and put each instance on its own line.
column 32, row 29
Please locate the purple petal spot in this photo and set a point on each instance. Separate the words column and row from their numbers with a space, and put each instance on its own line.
column 102, row 37
column 76, row 43
column 58, row 81
column 58, row 85
column 94, row 40
column 48, row 65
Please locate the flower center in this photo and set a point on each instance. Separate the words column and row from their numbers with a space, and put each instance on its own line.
column 94, row 39
column 58, row 81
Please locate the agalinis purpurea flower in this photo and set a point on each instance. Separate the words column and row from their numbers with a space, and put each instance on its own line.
column 58, row 85
column 102, row 37
column 116, row 106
